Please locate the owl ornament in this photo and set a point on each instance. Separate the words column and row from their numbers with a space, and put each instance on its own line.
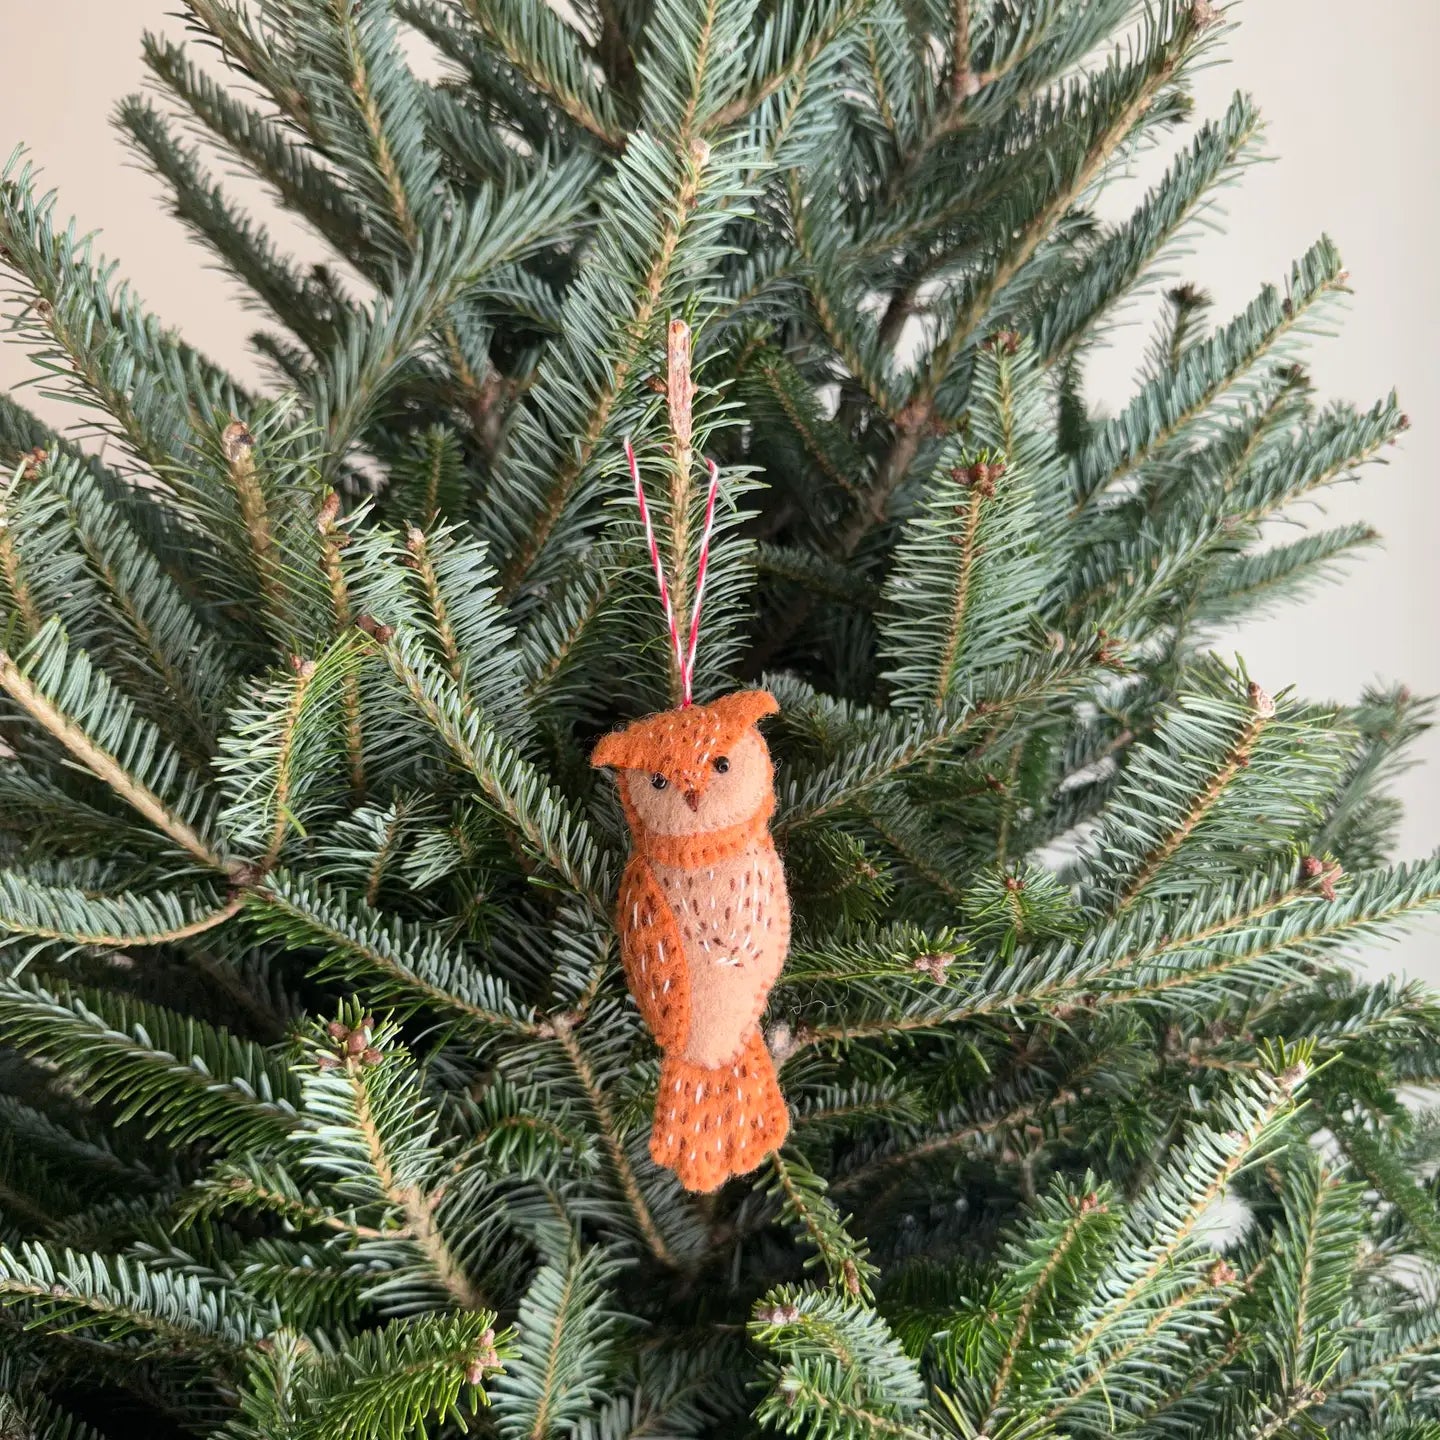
column 703, row 917
column 704, row 925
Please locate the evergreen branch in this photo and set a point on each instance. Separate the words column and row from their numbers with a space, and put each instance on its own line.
column 1388, row 1174
column 825, row 25
column 684, row 170
column 1273, row 930
column 238, row 448
column 1009, row 1120
column 396, row 962
column 844, row 327
column 511, row 787
column 1230, row 775
column 19, row 593
column 804, row 1203
column 1152, row 78
column 825, row 442
column 1236, row 759
column 1180, row 1307
column 417, row 1207
column 899, row 744
column 278, row 749
column 613, row 1140
column 548, row 54
column 332, row 537
column 1339, row 445
column 385, row 98
column 258, row 56
column 1087, row 1214
column 553, row 642
column 1111, row 270
column 494, row 231
column 831, row 1416
column 1296, row 926
column 346, row 20
column 1247, row 584
column 301, row 181
column 377, row 1143
column 248, row 1185
column 78, row 708
column 1144, row 1284
column 31, row 908
column 843, row 1371
column 176, row 647
column 118, row 1297
column 413, row 1376
column 92, row 335
column 470, row 632
column 244, row 248
column 186, row 1079
column 822, row 577
column 1167, row 406
column 569, row 1333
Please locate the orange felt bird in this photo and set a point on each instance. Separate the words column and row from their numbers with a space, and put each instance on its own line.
column 704, row 924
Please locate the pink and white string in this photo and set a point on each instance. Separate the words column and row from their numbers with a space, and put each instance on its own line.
column 684, row 653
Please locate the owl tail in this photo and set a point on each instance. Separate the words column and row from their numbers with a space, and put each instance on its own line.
column 711, row 1124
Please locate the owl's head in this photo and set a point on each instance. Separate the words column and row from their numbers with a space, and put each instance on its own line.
column 686, row 772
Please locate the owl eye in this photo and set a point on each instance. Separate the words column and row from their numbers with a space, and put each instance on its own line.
column 659, row 781
column 722, row 765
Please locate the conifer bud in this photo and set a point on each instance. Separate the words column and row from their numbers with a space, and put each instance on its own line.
column 1007, row 342
column 1321, row 874
column 781, row 1041
column 236, row 442
column 374, row 628
column 1261, row 702
column 1220, row 1273
column 934, row 964
column 486, row 1357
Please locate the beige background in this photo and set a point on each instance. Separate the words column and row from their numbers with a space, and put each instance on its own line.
column 1352, row 104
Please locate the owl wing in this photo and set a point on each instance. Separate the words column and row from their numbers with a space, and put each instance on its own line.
column 653, row 955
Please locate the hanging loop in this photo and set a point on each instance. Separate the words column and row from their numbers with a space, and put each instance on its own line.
column 684, row 652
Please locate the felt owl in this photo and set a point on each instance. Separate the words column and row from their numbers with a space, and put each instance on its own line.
column 704, row 925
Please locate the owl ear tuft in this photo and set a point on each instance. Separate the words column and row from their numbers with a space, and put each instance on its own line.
column 615, row 750
column 742, row 709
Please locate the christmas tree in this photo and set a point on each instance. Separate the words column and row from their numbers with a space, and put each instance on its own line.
column 323, row 1106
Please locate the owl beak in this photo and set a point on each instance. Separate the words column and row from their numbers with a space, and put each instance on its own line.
column 692, row 799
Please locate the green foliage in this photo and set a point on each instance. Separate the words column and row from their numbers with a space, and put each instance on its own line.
column 323, row 1111
column 403, row 1379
